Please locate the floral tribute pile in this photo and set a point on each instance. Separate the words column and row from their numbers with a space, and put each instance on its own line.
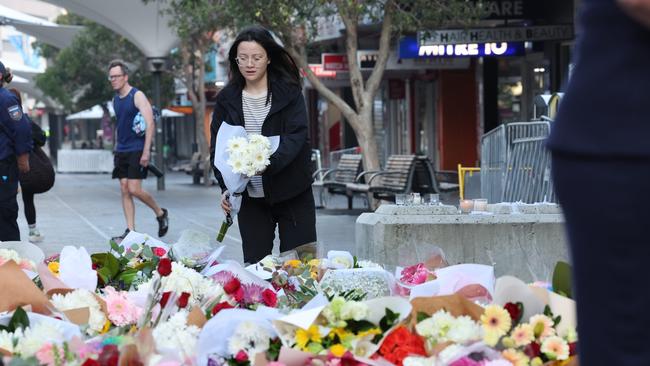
column 139, row 304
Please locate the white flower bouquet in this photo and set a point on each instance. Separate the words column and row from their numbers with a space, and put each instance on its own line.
column 249, row 156
column 238, row 157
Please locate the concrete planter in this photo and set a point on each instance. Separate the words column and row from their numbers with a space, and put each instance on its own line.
column 525, row 244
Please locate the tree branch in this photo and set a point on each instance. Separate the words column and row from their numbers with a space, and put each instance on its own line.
column 384, row 50
column 351, row 20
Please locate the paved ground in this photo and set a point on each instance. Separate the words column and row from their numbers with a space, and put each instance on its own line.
column 85, row 210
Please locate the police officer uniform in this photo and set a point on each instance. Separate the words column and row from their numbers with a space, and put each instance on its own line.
column 15, row 140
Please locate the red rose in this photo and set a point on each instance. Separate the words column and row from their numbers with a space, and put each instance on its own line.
column 164, row 298
column 533, row 350
column 241, row 356
column 182, row 301
column 270, row 298
column 165, row 266
column 158, row 251
column 239, row 295
column 220, row 306
column 573, row 348
column 516, row 310
column 109, row 356
column 232, row 286
column 90, row 362
column 95, row 266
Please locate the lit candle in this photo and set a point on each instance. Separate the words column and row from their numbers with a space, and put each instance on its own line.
column 466, row 206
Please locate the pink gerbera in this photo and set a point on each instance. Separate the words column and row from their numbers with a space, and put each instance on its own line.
column 120, row 310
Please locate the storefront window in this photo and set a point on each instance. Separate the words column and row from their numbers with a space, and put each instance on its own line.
column 520, row 81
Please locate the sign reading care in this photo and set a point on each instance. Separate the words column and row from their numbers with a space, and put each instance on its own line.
column 496, row 35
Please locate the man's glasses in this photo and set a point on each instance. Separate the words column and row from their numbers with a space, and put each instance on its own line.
column 114, row 77
column 245, row 60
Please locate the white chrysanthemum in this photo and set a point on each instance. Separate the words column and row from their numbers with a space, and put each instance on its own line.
column 237, row 164
column 176, row 335
column 7, row 341
column 236, row 145
column 259, row 141
column 354, row 310
column 368, row 264
column 464, row 330
column 82, row 298
column 36, row 336
column 183, row 279
column 12, row 255
column 436, row 327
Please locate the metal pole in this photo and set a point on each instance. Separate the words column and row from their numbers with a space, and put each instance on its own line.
column 159, row 130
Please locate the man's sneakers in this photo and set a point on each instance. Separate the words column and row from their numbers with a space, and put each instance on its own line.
column 163, row 223
column 118, row 239
column 35, row 235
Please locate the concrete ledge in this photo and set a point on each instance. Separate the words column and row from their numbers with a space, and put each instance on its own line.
column 526, row 245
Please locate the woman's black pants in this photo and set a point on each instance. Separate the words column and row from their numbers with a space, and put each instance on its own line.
column 606, row 203
column 295, row 218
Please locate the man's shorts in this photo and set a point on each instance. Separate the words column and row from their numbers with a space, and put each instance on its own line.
column 127, row 165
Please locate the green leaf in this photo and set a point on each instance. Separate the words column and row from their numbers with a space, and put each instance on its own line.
column 19, row 320
column 422, row 316
column 135, row 247
column 128, row 276
column 105, row 274
column 116, row 247
column 147, row 252
column 388, row 320
column 359, row 326
column 562, row 279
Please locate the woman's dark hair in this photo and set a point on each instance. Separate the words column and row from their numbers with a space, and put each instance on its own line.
column 281, row 66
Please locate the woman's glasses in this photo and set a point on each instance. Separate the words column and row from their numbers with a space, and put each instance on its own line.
column 246, row 60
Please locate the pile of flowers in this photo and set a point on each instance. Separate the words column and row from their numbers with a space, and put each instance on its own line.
column 11, row 255
column 249, row 156
column 136, row 305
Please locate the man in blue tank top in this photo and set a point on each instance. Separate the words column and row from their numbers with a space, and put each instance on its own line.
column 132, row 152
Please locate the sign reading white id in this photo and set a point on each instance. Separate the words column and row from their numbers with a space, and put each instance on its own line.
column 492, row 35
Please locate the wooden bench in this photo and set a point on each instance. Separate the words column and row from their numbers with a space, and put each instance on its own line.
column 334, row 181
column 403, row 174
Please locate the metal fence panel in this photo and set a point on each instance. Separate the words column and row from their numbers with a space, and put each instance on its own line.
column 515, row 165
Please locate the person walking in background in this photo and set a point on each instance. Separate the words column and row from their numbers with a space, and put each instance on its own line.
column 39, row 179
column 132, row 152
column 15, row 145
column 600, row 144
column 264, row 95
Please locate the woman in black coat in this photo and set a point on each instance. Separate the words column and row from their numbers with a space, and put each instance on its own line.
column 264, row 96
column 601, row 168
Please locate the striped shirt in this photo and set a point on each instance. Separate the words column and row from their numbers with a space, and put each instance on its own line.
column 255, row 112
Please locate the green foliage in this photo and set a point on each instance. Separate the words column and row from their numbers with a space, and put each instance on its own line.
column 76, row 75
column 19, row 320
column 562, row 279
column 422, row 316
column 388, row 320
column 549, row 313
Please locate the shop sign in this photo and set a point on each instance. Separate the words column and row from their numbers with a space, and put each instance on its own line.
column 334, row 61
column 409, row 48
column 496, row 35
column 505, row 9
column 367, row 59
column 317, row 69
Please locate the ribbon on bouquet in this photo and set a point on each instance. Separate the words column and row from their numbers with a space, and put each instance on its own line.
column 235, row 182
